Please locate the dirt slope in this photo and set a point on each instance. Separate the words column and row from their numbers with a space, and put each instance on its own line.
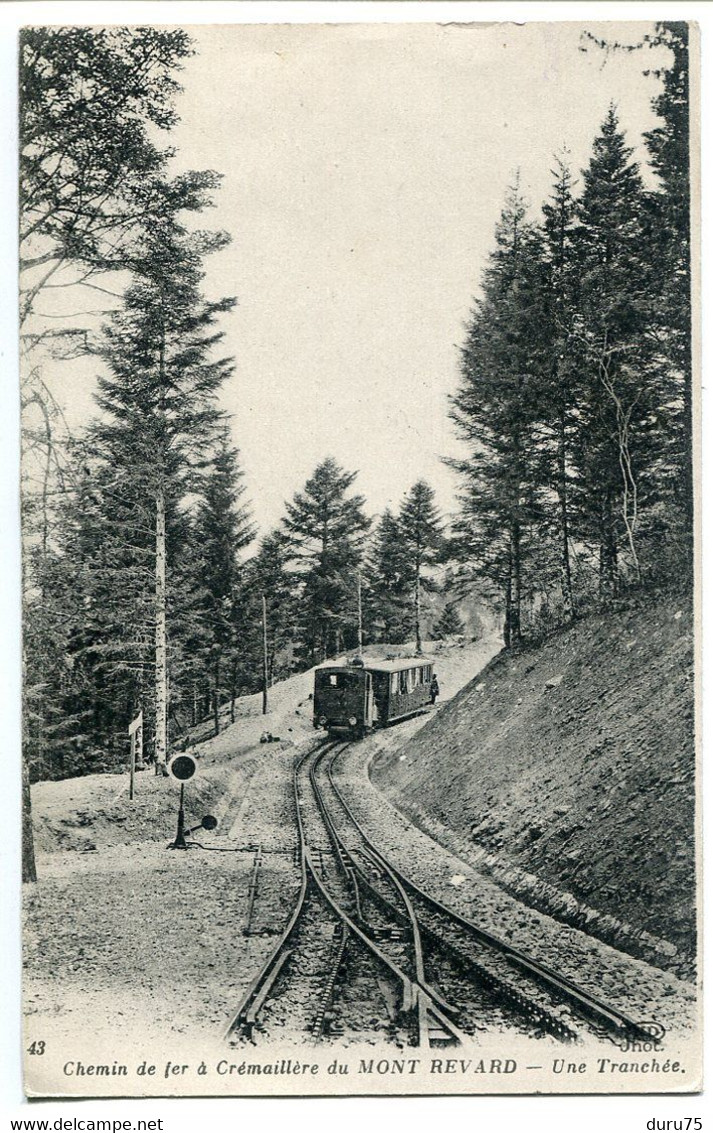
column 566, row 773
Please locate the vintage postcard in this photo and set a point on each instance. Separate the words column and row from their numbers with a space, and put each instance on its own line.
column 359, row 477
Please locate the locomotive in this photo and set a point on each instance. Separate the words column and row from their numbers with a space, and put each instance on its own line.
column 360, row 696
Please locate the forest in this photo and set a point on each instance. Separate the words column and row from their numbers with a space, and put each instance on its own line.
column 146, row 584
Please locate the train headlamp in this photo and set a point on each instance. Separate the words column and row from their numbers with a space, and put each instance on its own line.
column 352, row 721
column 323, row 720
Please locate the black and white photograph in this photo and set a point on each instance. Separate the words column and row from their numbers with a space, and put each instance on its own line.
column 359, row 383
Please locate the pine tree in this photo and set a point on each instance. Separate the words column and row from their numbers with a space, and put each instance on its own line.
column 390, row 590
column 669, row 145
column 498, row 411
column 222, row 529
column 160, row 413
column 90, row 174
column 98, row 607
column 450, row 623
column 575, row 393
column 421, row 531
column 50, row 703
column 326, row 528
column 560, row 375
column 617, row 402
column 157, row 450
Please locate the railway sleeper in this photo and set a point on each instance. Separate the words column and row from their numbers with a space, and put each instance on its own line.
column 389, row 932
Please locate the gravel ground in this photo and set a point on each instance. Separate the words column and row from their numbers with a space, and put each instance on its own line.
column 177, row 961
column 103, row 953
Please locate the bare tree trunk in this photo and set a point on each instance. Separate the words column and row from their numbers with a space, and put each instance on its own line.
column 233, row 689
column 516, row 597
column 630, row 494
column 507, row 626
column 161, row 742
column 216, row 698
column 29, row 869
column 565, row 566
column 264, row 655
column 161, row 666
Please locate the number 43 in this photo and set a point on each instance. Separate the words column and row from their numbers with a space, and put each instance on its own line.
column 37, row 1047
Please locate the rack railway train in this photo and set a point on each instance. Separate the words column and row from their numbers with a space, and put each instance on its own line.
column 355, row 698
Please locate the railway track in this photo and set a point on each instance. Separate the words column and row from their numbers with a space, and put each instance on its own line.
column 325, row 941
column 481, row 985
column 446, row 925
column 366, row 950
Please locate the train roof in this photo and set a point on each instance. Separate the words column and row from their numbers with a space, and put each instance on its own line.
column 397, row 664
column 393, row 666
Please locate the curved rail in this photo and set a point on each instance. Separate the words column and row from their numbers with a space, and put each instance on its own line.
column 380, row 863
column 561, row 986
column 509, row 994
column 259, row 989
column 415, row 996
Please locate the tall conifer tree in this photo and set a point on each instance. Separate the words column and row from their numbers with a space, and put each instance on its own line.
column 421, row 529
column 390, row 588
column 615, row 314
column 560, row 375
column 670, row 232
column 326, row 527
column 498, row 412
column 160, row 414
column 223, row 528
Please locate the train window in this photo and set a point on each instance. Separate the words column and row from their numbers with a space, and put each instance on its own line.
column 337, row 680
column 394, row 683
column 403, row 681
column 420, row 674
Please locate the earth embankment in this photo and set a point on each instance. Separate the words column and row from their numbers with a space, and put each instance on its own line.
column 566, row 772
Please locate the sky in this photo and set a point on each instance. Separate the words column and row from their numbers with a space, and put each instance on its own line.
column 364, row 172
